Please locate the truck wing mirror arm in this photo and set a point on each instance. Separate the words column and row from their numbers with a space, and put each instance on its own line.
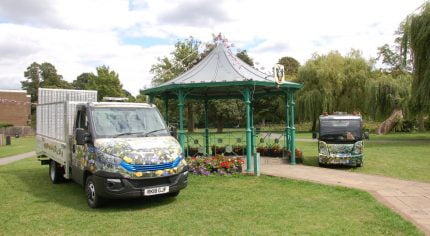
column 82, row 136
column 173, row 131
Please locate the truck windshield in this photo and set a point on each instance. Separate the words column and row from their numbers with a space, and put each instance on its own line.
column 340, row 130
column 115, row 122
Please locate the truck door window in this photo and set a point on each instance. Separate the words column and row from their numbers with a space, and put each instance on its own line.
column 82, row 121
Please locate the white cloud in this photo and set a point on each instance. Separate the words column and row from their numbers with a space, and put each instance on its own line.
column 76, row 36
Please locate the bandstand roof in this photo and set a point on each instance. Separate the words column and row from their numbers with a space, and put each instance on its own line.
column 221, row 75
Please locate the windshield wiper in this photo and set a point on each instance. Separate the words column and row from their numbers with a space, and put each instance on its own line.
column 128, row 133
column 141, row 132
column 153, row 131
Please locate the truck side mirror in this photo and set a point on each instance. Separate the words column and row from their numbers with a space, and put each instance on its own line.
column 82, row 136
column 173, row 131
column 366, row 135
column 314, row 135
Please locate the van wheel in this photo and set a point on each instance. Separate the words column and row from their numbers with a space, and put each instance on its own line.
column 93, row 199
column 55, row 172
column 360, row 164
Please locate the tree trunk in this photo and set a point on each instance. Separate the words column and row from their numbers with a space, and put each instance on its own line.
column 219, row 124
column 421, row 126
column 314, row 125
column 263, row 122
column 190, row 117
column 386, row 126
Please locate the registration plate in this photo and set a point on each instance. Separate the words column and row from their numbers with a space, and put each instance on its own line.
column 155, row 191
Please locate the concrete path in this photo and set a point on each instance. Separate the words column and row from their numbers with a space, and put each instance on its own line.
column 7, row 160
column 408, row 198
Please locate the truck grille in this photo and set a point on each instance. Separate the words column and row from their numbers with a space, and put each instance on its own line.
column 143, row 168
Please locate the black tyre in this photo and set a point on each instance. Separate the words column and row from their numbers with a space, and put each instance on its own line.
column 173, row 194
column 359, row 164
column 321, row 164
column 93, row 199
column 56, row 172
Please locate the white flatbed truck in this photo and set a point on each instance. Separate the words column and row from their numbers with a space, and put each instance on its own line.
column 113, row 149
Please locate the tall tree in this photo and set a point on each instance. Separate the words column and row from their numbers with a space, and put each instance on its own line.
column 291, row 67
column 416, row 37
column 331, row 82
column 183, row 57
column 387, row 96
column 222, row 111
column 106, row 82
column 128, row 95
column 32, row 82
column 82, row 81
column 42, row 76
column 243, row 55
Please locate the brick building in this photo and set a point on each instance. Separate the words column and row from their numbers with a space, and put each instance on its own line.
column 15, row 107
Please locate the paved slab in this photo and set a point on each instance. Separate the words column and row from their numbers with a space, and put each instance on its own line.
column 7, row 160
column 408, row 198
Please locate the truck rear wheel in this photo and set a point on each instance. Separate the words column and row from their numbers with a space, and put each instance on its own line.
column 93, row 199
column 55, row 172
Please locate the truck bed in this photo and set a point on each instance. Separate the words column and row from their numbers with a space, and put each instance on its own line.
column 55, row 115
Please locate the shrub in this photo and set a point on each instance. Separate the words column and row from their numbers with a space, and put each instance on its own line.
column 5, row 125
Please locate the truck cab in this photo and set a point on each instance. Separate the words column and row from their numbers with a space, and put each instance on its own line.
column 115, row 150
column 127, row 151
column 340, row 140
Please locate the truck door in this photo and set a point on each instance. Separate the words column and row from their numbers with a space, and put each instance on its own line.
column 79, row 152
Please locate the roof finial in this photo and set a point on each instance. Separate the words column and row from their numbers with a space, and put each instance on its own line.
column 218, row 39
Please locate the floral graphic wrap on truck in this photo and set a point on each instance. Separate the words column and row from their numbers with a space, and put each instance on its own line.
column 133, row 157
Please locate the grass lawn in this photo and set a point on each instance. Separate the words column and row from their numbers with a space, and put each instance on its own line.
column 404, row 160
column 18, row 146
column 214, row 205
column 402, row 136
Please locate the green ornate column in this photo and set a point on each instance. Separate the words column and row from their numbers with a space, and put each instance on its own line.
column 151, row 99
column 181, row 100
column 253, row 147
column 166, row 110
column 206, row 127
column 293, row 130
column 246, row 95
column 287, row 122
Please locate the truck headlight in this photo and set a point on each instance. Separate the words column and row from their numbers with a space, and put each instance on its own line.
column 358, row 148
column 323, row 149
column 109, row 159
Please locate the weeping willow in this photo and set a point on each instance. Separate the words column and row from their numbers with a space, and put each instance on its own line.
column 417, row 37
column 331, row 82
column 385, row 93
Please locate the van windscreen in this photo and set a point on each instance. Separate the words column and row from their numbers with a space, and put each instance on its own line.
column 130, row 121
column 341, row 130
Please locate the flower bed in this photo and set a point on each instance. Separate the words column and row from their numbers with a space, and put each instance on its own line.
column 272, row 151
column 219, row 164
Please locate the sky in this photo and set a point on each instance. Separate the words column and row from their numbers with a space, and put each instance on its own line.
column 129, row 35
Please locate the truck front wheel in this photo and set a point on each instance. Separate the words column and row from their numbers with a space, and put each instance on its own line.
column 55, row 172
column 93, row 199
